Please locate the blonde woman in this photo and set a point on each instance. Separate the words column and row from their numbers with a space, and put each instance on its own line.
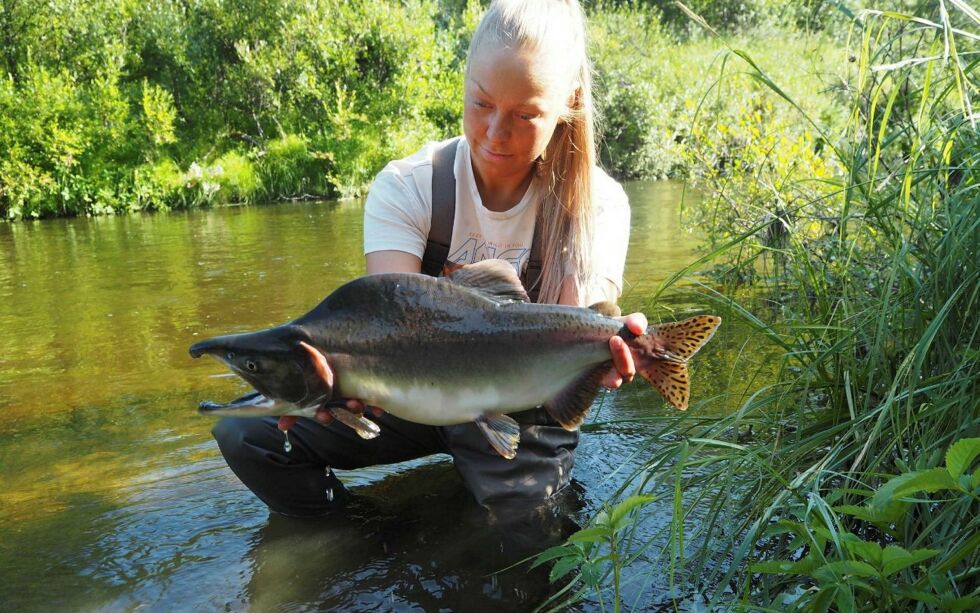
column 520, row 185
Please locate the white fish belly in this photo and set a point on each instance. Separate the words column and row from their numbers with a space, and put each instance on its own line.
column 439, row 405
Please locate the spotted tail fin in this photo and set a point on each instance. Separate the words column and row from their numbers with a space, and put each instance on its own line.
column 662, row 353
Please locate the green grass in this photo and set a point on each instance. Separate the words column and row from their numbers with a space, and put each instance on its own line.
column 860, row 489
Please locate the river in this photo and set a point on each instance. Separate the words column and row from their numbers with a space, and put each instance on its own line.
column 114, row 495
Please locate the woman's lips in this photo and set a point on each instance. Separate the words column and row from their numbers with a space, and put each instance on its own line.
column 493, row 156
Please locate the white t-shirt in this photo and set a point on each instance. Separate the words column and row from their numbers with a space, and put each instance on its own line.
column 398, row 213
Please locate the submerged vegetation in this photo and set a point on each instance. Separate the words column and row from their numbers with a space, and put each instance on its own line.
column 851, row 482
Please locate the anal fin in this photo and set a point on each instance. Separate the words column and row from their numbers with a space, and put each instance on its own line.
column 571, row 405
column 364, row 427
column 502, row 432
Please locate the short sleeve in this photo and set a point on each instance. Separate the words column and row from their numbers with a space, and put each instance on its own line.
column 396, row 215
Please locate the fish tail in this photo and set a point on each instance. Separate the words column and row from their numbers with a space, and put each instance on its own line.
column 661, row 354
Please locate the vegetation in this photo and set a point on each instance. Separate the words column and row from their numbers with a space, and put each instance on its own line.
column 842, row 206
column 850, row 482
column 115, row 106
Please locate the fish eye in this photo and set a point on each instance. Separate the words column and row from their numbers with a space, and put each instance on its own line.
column 252, row 366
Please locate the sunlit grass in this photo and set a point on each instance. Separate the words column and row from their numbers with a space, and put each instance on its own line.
column 855, row 488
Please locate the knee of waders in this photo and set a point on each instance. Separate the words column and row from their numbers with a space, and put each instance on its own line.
column 232, row 432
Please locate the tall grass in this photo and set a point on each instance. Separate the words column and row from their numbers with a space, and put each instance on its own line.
column 860, row 488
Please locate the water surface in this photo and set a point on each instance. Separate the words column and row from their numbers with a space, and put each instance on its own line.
column 114, row 495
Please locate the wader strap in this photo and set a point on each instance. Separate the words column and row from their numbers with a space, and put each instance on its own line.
column 532, row 274
column 444, row 214
column 443, row 210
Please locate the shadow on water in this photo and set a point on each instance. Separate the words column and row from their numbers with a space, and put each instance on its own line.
column 114, row 496
column 414, row 541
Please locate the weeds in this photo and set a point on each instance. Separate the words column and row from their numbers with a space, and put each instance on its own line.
column 860, row 488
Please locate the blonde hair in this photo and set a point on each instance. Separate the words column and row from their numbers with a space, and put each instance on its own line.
column 565, row 212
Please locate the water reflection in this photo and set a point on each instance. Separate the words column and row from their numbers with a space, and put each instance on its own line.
column 414, row 541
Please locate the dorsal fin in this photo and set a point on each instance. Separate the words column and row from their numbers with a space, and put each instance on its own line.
column 571, row 404
column 607, row 308
column 496, row 279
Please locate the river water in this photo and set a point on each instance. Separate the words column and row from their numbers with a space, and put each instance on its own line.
column 114, row 496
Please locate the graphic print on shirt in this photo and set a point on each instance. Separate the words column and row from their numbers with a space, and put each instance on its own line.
column 476, row 249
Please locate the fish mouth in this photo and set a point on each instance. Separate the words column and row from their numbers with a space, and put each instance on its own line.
column 254, row 403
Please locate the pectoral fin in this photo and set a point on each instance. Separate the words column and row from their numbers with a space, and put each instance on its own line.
column 571, row 405
column 364, row 427
column 503, row 433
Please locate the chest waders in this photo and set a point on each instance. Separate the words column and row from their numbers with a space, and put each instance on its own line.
column 301, row 482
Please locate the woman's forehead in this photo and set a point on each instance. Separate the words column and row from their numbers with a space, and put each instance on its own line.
column 518, row 74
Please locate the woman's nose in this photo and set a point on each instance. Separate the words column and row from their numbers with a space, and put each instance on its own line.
column 498, row 128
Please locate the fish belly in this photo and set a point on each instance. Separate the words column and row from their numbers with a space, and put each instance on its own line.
column 446, row 395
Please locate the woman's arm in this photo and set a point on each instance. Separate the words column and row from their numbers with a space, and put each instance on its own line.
column 392, row 261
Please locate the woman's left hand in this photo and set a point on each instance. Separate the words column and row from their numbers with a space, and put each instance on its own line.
column 623, row 369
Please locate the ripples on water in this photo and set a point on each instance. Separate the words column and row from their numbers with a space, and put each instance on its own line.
column 114, row 494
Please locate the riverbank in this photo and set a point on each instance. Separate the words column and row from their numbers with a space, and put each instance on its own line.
column 185, row 107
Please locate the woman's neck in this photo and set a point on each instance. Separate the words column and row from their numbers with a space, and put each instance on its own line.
column 500, row 194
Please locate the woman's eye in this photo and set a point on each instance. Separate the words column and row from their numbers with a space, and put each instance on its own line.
column 526, row 117
column 482, row 104
column 251, row 366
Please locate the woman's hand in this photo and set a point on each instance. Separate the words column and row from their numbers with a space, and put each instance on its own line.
column 623, row 369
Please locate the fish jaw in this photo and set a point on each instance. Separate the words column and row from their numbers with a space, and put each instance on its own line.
column 275, row 362
column 254, row 405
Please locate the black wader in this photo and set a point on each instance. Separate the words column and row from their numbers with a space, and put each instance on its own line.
column 302, row 483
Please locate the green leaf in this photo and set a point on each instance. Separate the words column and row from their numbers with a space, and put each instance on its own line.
column 975, row 481
column 621, row 510
column 895, row 558
column 960, row 456
column 929, row 480
column 834, row 570
column 562, row 567
column 596, row 534
column 869, row 552
column 776, row 567
column 890, row 513
column 964, row 603
column 913, row 594
column 845, row 599
column 560, row 551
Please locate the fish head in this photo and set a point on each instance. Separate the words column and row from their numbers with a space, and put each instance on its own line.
column 272, row 361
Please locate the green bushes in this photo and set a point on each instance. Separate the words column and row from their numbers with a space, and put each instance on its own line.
column 313, row 98
column 276, row 99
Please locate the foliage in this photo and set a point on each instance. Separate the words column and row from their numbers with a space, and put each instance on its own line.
column 860, row 489
column 317, row 96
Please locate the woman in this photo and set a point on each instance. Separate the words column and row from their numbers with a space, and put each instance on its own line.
column 524, row 176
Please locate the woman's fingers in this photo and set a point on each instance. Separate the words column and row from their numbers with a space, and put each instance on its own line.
column 636, row 323
column 624, row 369
column 287, row 421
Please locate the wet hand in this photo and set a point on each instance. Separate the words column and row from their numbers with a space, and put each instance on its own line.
column 623, row 369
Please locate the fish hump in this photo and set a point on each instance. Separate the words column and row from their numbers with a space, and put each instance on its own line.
column 496, row 279
column 572, row 404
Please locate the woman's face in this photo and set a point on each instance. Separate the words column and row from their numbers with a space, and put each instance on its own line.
column 511, row 108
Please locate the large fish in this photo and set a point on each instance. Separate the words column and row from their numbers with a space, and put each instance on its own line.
column 466, row 347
